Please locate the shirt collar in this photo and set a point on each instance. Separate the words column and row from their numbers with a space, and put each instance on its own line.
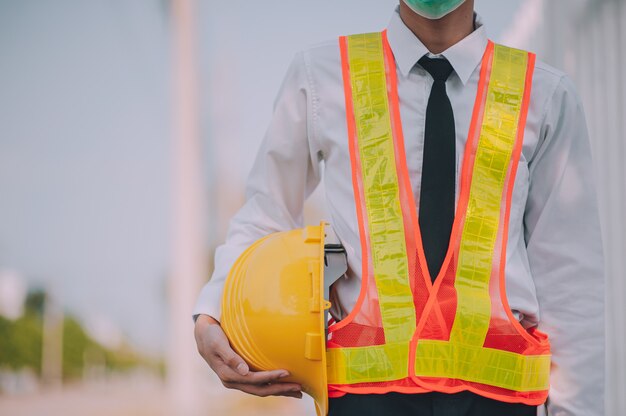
column 407, row 49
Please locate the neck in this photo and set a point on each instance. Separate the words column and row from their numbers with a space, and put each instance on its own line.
column 438, row 35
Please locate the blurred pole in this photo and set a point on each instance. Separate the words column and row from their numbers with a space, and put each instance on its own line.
column 189, row 208
column 52, row 342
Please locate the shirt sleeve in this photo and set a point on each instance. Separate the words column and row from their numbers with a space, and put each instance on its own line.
column 563, row 238
column 284, row 174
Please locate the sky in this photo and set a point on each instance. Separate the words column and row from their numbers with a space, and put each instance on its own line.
column 85, row 144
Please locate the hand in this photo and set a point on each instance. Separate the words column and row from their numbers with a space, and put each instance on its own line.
column 235, row 374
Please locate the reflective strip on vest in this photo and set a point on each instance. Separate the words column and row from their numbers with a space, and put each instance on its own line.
column 463, row 357
column 381, row 190
column 354, row 365
column 495, row 146
column 482, row 365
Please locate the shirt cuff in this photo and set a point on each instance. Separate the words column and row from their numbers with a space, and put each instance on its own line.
column 209, row 302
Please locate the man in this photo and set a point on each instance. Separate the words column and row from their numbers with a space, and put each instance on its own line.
column 547, row 246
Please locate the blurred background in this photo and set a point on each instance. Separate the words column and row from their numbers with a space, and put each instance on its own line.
column 127, row 129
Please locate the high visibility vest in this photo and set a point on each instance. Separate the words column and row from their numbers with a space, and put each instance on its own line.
column 405, row 333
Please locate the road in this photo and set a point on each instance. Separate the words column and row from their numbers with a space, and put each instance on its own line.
column 143, row 396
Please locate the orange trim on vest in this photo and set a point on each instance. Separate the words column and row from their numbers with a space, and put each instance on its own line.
column 467, row 166
column 357, row 186
column 415, row 252
column 512, row 173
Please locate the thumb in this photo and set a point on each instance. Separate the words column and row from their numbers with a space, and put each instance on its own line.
column 223, row 350
column 235, row 362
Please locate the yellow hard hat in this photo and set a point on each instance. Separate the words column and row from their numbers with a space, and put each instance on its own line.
column 274, row 307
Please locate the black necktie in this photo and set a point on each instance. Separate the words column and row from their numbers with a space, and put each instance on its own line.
column 436, row 211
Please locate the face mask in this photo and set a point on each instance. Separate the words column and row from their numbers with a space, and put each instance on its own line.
column 433, row 9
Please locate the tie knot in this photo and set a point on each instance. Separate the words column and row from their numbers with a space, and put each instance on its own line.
column 438, row 68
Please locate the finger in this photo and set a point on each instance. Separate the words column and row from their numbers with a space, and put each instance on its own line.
column 229, row 366
column 294, row 394
column 277, row 389
column 233, row 360
column 218, row 345
column 227, row 374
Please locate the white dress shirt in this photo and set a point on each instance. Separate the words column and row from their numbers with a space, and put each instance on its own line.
column 554, row 264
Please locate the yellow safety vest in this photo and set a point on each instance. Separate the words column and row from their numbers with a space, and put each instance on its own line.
column 407, row 334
